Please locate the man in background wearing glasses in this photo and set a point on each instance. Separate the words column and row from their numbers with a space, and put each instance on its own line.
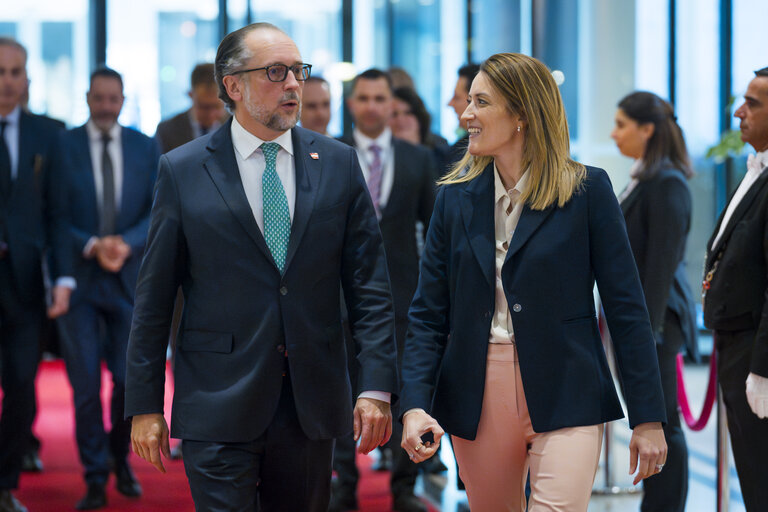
column 259, row 224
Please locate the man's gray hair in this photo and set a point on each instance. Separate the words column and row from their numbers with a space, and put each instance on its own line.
column 232, row 55
column 9, row 41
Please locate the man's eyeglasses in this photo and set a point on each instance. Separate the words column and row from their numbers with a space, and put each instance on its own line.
column 279, row 72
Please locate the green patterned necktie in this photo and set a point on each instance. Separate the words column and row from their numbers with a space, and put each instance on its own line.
column 277, row 216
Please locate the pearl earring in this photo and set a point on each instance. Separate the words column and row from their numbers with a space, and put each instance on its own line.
column 518, row 129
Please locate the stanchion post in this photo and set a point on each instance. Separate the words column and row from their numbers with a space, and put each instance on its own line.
column 723, row 490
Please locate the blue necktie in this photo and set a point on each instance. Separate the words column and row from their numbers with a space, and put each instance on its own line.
column 277, row 216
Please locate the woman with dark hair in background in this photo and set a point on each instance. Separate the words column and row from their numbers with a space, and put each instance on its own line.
column 503, row 348
column 411, row 122
column 657, row 210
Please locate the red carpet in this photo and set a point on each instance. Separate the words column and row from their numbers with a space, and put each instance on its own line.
column 61, row 484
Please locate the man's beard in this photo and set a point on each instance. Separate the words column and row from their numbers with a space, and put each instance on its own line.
column 273, row 120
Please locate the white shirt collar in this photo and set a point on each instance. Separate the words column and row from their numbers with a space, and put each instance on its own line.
column 95, row 134
column 246, row 143
column 13, row 117
column 384, row 140
column 501, row 192
column 762, row 160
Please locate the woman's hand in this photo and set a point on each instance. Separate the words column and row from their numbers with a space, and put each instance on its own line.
column 650, row 448
column 416, row 423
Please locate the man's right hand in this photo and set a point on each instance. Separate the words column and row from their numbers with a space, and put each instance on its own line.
column 149, row 438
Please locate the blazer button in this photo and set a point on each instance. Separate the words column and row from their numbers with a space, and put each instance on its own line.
column 283, row 290
column 517, row 308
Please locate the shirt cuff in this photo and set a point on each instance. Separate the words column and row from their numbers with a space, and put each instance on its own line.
column 89, row 245
column 67, row 282
column 382, row 396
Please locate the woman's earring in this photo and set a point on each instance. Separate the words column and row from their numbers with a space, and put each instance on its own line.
column 518, row 128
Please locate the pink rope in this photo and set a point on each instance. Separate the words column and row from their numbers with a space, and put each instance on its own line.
column 709, row 399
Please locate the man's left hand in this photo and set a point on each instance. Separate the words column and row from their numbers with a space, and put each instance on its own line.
column 60, row 301
column 372, row 423
column 757, row 394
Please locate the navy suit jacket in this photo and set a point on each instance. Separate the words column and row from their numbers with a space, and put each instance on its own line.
column 658, row 217
column 35, row 216
column 553, row 261
column 140, row 157
column 241, row 316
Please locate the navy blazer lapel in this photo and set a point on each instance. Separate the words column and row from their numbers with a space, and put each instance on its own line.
column 529, row 222
column 222, row 168
column 83, row 172
column 633, row 196
column 476, row 204
column 130, row 186
column 27, row 165
column 741, row 210
column 308, row 172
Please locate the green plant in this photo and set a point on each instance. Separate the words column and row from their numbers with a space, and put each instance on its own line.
column 729, row 145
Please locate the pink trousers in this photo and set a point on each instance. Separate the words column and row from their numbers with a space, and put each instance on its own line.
column 494, row 466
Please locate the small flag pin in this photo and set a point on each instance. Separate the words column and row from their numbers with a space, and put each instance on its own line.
column 314, row 156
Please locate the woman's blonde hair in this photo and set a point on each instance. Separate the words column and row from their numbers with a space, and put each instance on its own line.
column 531, row 93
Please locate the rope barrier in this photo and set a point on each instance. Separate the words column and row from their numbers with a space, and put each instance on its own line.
column 709, row 399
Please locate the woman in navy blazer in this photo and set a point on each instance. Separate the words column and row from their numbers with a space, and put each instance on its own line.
column 657, row 209
column 503, row 349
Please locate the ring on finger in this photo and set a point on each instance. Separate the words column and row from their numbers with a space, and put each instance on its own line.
column 418, row 447
column 659, row 467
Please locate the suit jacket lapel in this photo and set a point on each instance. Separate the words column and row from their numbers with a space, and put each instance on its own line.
column 26, row 165
column 308, row 173
column 476, row 206
column 130, row 187
column 741, row 210
column 628, row 201
column 84, row 173
column 529, row 222
column 222, row 168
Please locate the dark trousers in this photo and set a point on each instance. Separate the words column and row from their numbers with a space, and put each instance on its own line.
column 20, row 325
column 281, row 471
column 404, row 470
column 667, row 491
column 98, row 324
column 749, row 434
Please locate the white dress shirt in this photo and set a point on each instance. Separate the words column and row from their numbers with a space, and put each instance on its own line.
column 507, row 211
column 12, row 139
column 365, row 156
column 756, row 165
column 115, row 150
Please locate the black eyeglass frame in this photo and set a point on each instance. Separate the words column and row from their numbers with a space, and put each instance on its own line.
column 294, row 68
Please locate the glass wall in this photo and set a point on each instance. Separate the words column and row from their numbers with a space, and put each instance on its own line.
column 155, row 44
column 56, row 37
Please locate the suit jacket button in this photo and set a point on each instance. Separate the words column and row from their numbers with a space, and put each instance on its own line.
column 283, row 290
column 517, row 308
column 281, row 349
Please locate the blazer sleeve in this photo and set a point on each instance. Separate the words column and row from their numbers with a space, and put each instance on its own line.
column 428, row 324
column 366, row 289
column 159, row 278
column 622, row 298
column 57, row 213
column 668, row 217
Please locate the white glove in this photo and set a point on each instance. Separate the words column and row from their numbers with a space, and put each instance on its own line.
column 757, row 395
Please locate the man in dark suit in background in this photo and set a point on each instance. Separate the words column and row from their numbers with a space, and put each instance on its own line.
column 32, row 220
column 259, row 223
column 316, row 105
column 110, row 174
column 735, row 287
column 458, row 102
column 205, row 115
column 401, row 180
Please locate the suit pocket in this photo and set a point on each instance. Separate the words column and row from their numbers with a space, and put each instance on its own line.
column 206, row 341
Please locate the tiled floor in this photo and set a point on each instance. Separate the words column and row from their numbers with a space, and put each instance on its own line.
column 702, row 469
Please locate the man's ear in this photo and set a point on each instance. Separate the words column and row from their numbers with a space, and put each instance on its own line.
column 234, row 87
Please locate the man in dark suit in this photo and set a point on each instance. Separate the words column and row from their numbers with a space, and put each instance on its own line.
column 458, row 102
column 316, row 105
column 401, row 180
column 31, row 221
column 735, row 287
column 259, row 223
column 110, row 174
column 205, row 115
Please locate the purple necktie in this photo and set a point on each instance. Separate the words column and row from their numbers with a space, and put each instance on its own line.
column 374, row 176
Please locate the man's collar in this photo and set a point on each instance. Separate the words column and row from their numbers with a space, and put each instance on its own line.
column 246, row 143
column 13, row 117
column 94, row 133
column 384, row 140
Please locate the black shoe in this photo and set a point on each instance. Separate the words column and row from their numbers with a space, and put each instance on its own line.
column 126, row 482
column 30, row 462
column 10, row 504
column 342, row 500
column 408, row 503
column 96, row 497
column 385, row 460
